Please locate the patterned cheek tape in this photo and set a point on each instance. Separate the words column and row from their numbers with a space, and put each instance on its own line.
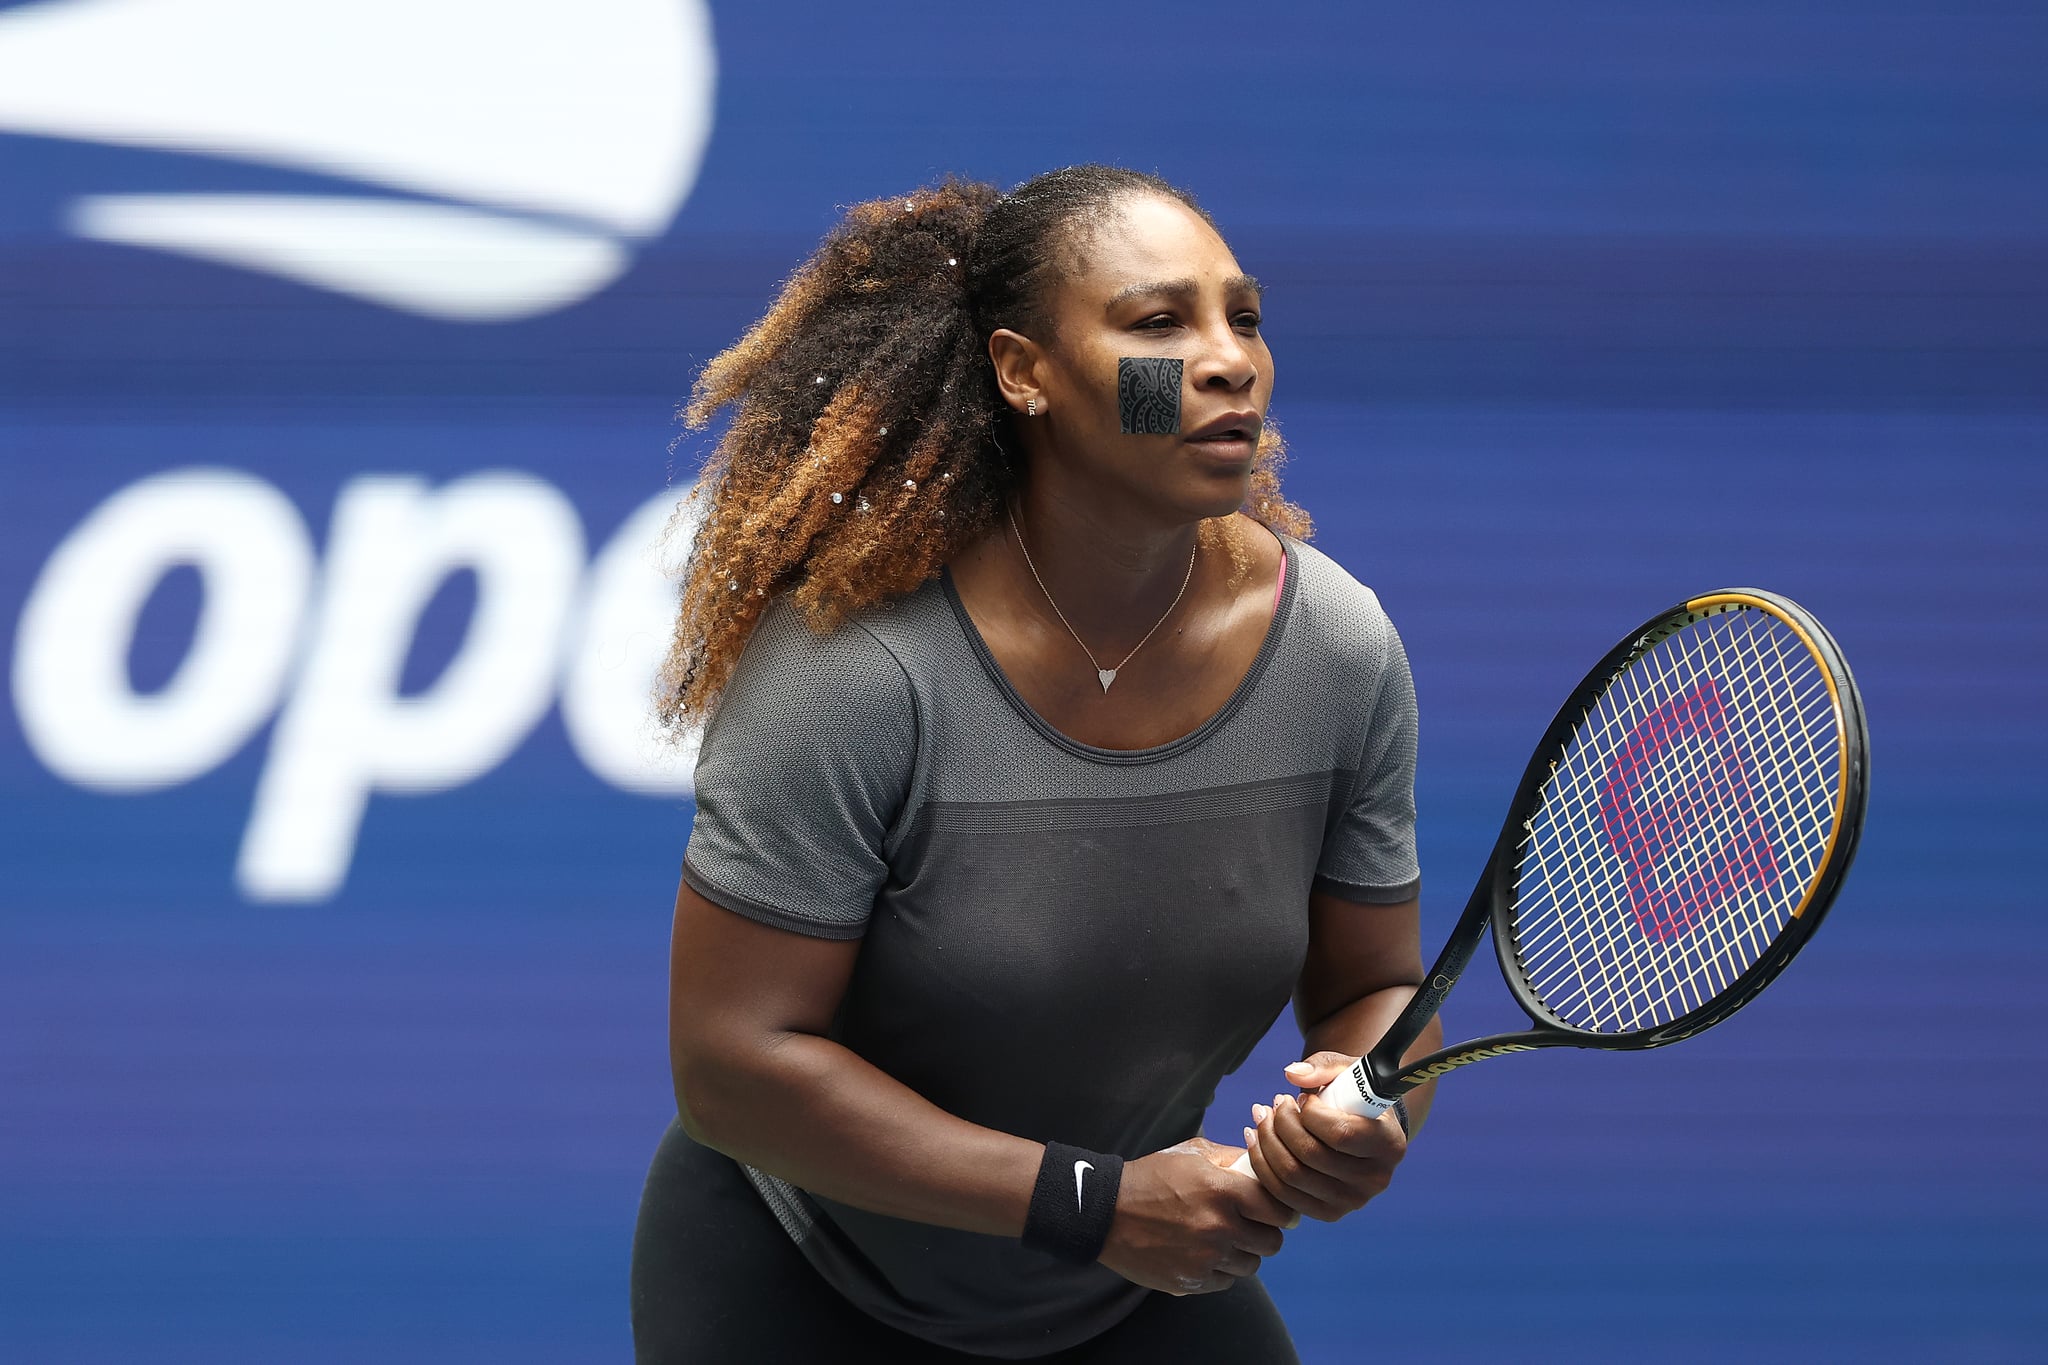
column 1148, row 395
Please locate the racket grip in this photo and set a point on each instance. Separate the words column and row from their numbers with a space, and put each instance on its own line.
column 1352, row 1092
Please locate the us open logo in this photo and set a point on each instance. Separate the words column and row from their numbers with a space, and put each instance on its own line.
column 472, row 160
column 319, row 641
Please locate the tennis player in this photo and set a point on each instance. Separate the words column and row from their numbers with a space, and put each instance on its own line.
column 1044, row 764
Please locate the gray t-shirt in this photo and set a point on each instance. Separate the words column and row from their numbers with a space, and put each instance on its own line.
column 1058, row 941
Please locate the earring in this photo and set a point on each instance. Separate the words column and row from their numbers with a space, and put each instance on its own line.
column 1031, row 407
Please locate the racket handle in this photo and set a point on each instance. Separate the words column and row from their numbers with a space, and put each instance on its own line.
column 1352, row 1092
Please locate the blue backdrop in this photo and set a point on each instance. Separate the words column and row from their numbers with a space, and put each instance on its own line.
column 334, row 920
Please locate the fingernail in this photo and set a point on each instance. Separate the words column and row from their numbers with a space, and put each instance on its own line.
column 1251, row 1135
column 1277, row 1099
column 1297, row 1068
column 1259, row 1113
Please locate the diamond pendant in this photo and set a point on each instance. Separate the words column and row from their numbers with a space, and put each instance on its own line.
column 1107, row 676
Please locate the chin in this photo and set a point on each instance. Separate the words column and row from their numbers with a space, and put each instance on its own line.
column 1221, row 497
column 1190, row 494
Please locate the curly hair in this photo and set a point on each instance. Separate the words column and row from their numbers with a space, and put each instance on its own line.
column 867, row 442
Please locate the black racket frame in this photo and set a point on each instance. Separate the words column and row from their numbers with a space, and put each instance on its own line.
column 1491, row 904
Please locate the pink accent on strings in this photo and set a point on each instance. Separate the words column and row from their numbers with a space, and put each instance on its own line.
column 1677, row 807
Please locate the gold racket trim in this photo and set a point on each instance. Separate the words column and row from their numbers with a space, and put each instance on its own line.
column 1723, row 601
column 1418, row 1075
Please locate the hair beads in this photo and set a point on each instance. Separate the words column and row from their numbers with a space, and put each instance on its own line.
column 868, row 378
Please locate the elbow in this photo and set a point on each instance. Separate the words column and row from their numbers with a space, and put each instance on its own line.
column 689, row 1116
column 697, row 1091
column 723, row 1092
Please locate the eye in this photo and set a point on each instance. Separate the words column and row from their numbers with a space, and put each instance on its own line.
column 1248, row 321
column 1158, row 322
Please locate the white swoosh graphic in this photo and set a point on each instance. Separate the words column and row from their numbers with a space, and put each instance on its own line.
column 454, row 263
column 1081, row 1169
column 592, row 116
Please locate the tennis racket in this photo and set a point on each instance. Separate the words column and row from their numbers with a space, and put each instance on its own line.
column 1679, row 835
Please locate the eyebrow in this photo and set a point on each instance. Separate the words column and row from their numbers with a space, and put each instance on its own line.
column 1180, row 289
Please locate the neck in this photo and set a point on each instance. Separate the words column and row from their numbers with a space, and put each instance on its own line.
column 1111, row 571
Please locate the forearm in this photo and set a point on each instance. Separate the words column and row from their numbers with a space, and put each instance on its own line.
column 1358, row 1026
column 808, row 1110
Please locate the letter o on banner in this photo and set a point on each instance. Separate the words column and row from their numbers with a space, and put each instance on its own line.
column 78, row 711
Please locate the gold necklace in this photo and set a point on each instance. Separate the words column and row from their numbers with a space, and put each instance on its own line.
column 1105, row 676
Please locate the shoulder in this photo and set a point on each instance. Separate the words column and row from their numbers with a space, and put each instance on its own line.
column 793, row 682
column 784, row 647
column 1338, row 620
column 804, row 769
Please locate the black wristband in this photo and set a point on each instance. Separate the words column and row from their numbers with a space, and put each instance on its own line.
column 1073, row 1202
column 1401, row 1114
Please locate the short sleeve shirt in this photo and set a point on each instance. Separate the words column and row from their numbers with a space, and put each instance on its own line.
column 1058, row 941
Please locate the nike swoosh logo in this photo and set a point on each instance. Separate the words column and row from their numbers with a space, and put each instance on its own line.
column 1081, row 1169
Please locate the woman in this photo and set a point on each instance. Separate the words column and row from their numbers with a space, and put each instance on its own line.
column 1046, row 765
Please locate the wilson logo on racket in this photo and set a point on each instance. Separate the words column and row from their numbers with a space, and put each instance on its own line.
column 1680, row 775
column 1721, row 751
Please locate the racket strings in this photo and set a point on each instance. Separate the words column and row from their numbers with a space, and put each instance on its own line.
column 1674, row 793
column 1602, row 967
column 1673, row 797
column 1680, row 827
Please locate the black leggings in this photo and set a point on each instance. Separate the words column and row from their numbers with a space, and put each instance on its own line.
column 716, row 1279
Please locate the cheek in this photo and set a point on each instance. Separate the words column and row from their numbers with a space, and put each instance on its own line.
column 1148, row 395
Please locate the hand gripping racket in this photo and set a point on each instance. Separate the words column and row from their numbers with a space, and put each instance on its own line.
column 1682, row 829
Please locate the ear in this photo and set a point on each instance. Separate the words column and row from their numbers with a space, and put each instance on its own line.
column 1017, row 360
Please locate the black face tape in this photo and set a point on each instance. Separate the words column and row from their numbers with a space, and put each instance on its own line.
column 1148, row 395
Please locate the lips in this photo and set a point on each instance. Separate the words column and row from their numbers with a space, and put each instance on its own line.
column 1231, row 426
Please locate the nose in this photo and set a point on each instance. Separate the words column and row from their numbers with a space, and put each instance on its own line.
column 1225, row 364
